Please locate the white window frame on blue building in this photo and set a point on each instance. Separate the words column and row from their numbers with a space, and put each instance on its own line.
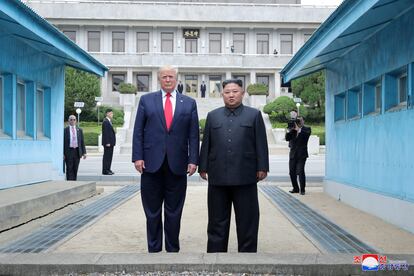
column 340, row 107
column 1, row 106
column 354, row 103
column 19, row 108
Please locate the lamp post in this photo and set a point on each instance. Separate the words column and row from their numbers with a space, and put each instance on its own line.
column 98, row 104
column 78, row 111
column 298, row 105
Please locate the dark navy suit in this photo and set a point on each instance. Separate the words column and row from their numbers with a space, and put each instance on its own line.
column 166, row 155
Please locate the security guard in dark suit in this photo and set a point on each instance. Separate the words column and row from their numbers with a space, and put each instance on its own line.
column 108, row 142
column 298, row 137
column 73, row 148
column 234, row 155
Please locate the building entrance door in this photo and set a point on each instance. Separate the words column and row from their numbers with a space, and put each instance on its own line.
column 191, row 85
column 214, row 86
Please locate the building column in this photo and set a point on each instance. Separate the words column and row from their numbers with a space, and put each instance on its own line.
column 154, row 40
column 104, row 85
column 180, row 41
column 228, row 75
column 154, row 79
column 129, row 78
column 277, row 83
column 130, row 41
column 252, row 77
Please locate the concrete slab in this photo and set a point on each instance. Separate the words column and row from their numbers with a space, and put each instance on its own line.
column 24, row 203
column 124, row 229
column 374, row 231
column 139, row 264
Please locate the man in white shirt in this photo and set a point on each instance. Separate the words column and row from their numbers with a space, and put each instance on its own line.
column 73, row 148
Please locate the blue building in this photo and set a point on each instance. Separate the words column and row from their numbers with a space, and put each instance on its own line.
column 33, row 56
column 367, row 50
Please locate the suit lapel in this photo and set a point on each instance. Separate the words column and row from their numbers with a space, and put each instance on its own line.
column 179, row 101
column 159, row 108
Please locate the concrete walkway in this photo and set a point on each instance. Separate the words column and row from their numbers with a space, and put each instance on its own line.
column 117, row 242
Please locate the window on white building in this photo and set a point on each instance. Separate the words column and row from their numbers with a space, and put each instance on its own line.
column 118, row 42
column 307, row 36
column 167, row 42
column 142, row 42
column 70, row 34
column 94, row 41
column 239, row 43
column 214, row 43
column 286, row 44
column 117, row 79
column 143, row 81
column 263, row 80
column 190, row 45
column 263, row 44
column 21, row 110
column 40, row 112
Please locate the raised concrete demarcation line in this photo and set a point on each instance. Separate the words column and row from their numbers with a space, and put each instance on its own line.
column 326, row 235
column 54, row 233
column 203, row 263
column 21, row 204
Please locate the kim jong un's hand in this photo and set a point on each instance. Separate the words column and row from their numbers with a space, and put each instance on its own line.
column 260, row 175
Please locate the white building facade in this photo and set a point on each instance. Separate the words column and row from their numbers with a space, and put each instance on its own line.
column 207, row 41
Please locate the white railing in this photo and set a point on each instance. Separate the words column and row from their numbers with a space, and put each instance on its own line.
column 156, row 3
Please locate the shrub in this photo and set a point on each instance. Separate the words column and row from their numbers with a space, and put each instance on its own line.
column 127, row 88
column 91, row 138
column 118, row 118
column 279, row 109
column 257, row 89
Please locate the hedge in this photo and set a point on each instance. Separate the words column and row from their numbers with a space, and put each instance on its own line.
column 91, row 138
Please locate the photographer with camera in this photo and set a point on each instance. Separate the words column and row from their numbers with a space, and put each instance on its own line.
column 298, row 136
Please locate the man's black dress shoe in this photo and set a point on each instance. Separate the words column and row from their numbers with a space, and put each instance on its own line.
column 111, row 172
column 293, row 192
column 108, row 173
column 302, row 192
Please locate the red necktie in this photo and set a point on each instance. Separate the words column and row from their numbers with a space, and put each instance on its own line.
column 168, row 113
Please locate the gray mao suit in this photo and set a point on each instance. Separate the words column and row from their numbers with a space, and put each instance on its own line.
column 234, row 148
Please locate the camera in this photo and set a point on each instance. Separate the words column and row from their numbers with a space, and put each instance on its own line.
column 292, row 122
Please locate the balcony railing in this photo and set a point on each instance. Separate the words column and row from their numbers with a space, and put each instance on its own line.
column 190, row 60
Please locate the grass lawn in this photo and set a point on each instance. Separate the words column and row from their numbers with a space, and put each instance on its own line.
column 91, row 131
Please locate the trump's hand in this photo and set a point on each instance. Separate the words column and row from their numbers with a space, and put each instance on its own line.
column 203, row 175
column 260, row 175
column 191, row 169
column 139, row 165
column 84, row 156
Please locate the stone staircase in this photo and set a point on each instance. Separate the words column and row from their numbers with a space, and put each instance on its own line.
column 275, row 137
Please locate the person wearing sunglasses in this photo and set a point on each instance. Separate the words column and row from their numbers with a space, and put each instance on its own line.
column 73, row 148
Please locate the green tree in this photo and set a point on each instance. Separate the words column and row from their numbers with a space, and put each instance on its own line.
column 81, row 87
column 279, row 109
column 311, row 89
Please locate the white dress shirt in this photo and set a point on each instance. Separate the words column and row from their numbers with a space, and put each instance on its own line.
column 173, row 99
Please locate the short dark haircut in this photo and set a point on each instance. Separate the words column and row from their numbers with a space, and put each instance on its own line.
column 108, row 110
column 236, row 81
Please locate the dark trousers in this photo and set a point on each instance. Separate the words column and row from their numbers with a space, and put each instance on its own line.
column 246, row 209
column 297, row 167
column 157, row 188
column 72, row 159
column 107, row 159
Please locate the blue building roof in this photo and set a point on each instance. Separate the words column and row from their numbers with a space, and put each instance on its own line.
column 20, row 21
column 352, row 23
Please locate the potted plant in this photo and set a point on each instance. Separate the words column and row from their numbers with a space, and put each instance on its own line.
column 257, row 94
column 127, row 93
